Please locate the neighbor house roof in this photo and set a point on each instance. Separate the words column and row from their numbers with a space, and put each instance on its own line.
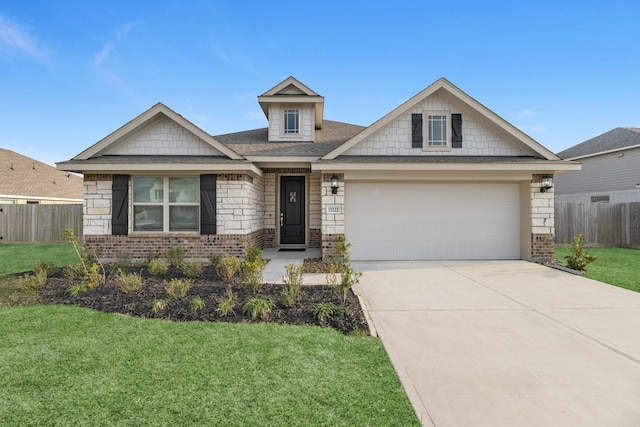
column 24, row 177
column 616, row 139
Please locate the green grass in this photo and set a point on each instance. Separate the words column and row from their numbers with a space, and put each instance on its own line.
column 616, row 266
column 19, row 257
column 66, row 365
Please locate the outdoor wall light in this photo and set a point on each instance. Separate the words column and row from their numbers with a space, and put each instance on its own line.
column 335, row 182
column 547, row 183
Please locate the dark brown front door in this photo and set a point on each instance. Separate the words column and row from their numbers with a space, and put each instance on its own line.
column 292, row 210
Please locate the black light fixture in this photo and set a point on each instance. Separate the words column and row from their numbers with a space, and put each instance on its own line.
column 546, row 184
column 335, row 183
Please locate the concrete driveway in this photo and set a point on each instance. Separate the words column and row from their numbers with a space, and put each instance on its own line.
column 507, row 343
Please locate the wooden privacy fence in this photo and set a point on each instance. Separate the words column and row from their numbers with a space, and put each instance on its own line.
column 603, row 224
column 39, row 223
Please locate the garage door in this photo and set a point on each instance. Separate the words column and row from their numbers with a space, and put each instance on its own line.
column 419, row 221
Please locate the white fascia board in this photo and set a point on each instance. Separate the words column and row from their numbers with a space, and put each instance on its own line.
column 549, row 167
column 282, row 160
column 162, row 167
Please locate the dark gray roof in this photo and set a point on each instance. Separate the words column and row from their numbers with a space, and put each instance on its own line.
column 256, row 142
column 612, row 140
column 435, row 159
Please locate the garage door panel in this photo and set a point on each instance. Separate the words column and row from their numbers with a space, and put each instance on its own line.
column 433, row 221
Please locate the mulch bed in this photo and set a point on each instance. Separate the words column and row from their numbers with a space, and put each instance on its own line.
column 211, row 289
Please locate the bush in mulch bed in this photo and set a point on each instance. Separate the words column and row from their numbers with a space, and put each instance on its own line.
column 202, row 299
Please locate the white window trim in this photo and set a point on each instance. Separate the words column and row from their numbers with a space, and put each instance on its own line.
column 166, row 212
column 284, row 107
column 425, row 130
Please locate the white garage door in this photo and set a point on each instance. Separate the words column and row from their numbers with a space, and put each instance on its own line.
column 419, row 221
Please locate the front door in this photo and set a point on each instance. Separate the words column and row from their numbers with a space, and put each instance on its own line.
column 292, row 210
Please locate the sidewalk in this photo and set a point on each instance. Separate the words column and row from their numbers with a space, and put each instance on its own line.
column 275, row 269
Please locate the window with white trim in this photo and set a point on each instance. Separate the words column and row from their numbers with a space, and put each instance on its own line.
column 291, row 121
column 165, row 204
column 436, row 129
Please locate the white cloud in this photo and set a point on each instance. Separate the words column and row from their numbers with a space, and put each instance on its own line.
column 101, row 58
column 527, row 114
column 14, row 38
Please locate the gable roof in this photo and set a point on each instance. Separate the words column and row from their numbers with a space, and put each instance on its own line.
column 144, row 119
column 443, row 84
column 291, row 90
column 24, row 177
column 614, row 140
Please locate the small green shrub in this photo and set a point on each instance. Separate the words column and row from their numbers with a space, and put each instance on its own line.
column 193, row 269
column 158, row 268
column 253, row 254
column 578, row 257
column 93, row 277
column 251, row 274
column 258, row 308
column 196, row 303
column 152, row 254
column 293, row 278
column 214, row 260
column 175, row 255
column 73, row 271
column 178, row 288
column 228, row 266
column 128, row 282
column 323, row 310
column 343, row 311
column 47, row 267
column 228, row 304
column 123, row 261
column 159, row 305
column 33, row 282
column 76, row 290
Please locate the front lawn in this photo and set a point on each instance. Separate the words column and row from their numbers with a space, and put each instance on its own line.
column 616, row 266
column 19, row 257
column 66, row 365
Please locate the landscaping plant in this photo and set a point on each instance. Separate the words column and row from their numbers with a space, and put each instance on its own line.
column 32, row 282
column 578, row 257
column 193, row 269
column 178, row 288
column 228, row 266
column 293, row 278
column 175, row 255
column 251, row 274
column 258, row 308
column 196, row 303
column 228, row 303
column 158, row 268
column 128, row 282
column 323, row 310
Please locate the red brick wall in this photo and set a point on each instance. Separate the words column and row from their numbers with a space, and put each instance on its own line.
column 542, row 247
column 329, row 245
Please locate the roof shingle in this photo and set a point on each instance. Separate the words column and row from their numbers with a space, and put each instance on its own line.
column 612, row 140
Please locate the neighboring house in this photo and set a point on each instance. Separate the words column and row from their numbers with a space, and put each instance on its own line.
column 27, row 181
column 439, row 177
column 610, row 169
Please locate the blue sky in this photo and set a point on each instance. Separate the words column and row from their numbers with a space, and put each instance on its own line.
column 72, row 72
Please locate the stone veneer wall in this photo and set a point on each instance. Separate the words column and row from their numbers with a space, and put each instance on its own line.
column 240, row 204
column 307, row 123
column 332, row 224
column 542, row 222
column 96, row 209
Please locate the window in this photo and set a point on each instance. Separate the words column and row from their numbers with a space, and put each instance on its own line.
column 599, row 199
column 291, row 121
column 437, row 130
column 166, row 204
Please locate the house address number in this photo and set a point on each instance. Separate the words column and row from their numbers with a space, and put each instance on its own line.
column 334, row 209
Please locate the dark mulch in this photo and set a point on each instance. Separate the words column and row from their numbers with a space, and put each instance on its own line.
column 212, row 289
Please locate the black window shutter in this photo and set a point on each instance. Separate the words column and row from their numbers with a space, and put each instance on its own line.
column 416, row 130
column 120, row 205
column 208, row 204
column 456, row 130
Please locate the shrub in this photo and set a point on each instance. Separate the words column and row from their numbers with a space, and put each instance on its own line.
column 228, row 266
column 159, row 305
column 178, row 288
column 226, row 306
column 75, row 290
column 158, row 268
column 214, row 260
column 93, row 277
column 47, row 267
column 323, row 310
column 130, row 282
column 152, row 254
column 193, row 269
column 258, row 308
column 196, row 303
column 123, row 261
column 175, row 255
column 33, row 282
column 251, row 274
column 340, row 272
column 343, row 311
column 578, row 258
column 293, row 278
column 91, row 269
column 74, row 270
column 253, row 254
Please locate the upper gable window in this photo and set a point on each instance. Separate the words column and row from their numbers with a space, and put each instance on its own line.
column 291, row 122
column 437, row 130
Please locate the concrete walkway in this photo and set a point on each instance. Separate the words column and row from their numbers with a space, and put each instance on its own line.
column 275, row 269
column 507, row 343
